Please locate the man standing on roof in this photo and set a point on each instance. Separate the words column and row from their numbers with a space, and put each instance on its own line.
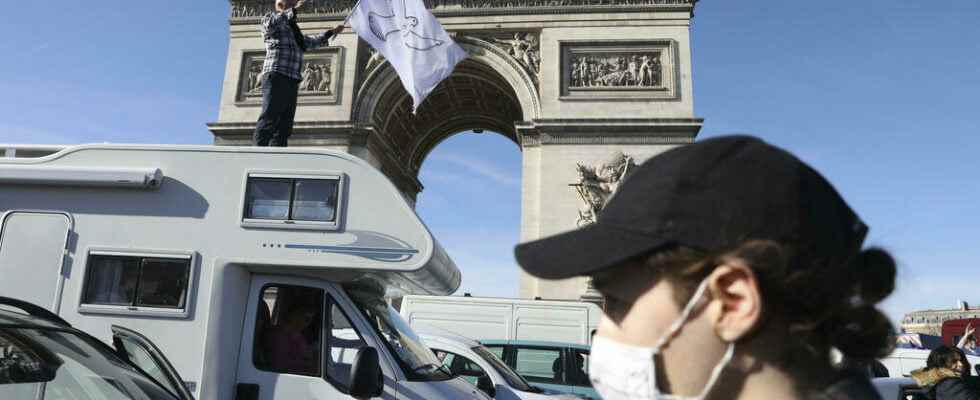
column 284, row 47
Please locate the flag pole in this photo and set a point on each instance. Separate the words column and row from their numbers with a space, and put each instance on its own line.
column 347, row 20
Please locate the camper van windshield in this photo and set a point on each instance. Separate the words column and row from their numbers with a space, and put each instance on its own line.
column 418, row 362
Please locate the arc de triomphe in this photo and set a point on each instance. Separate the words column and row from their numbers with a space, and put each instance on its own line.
column 585, row 88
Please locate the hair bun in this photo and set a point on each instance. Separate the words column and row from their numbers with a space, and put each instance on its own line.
column 861, row 332
column 875, row 271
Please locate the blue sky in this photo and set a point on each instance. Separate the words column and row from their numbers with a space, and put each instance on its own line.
column 882, row 96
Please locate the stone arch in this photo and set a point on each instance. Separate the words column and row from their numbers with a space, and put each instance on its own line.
column 489, row 91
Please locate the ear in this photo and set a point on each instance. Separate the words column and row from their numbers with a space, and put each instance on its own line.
column 738, row 310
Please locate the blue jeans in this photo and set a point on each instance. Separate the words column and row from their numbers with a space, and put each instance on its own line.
column 278, row 110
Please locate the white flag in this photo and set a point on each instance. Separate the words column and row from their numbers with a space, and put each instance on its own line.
column 412, row 40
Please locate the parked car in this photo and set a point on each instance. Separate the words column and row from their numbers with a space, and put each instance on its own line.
column 478, row 365
column 561, row 367
column 898, row 389
column 43, row 357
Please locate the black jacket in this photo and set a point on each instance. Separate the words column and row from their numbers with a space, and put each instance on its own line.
column 849, row 386
column 945, row 384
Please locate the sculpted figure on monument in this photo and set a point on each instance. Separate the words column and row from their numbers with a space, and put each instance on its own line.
column 598, row 183
column 375, row 60
column 316, row 78
column 325, row 79
column 524, row 48
column 254, row 84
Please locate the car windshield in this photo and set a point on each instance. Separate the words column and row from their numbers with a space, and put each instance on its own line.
column 58, row 364
column 513, row 379
column 415, row 358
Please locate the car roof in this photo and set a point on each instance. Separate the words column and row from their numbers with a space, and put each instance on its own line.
column 448, row 337
column 536, row 343
column 21, row 320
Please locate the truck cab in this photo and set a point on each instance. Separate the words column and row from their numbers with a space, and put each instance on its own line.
column 261, row 273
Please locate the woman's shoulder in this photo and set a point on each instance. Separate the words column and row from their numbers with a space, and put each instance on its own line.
column 933, row 376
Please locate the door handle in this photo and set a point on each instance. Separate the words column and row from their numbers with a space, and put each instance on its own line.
column 247, row 391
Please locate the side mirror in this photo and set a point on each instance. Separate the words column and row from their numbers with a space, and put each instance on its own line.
column 365, row 374
column 486, row 386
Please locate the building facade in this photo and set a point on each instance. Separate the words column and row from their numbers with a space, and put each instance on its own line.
column 930, row 322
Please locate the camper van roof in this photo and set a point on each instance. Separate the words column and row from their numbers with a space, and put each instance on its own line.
column 373, row 234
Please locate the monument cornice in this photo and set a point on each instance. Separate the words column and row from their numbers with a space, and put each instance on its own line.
column 605, row 131
column 249, row 11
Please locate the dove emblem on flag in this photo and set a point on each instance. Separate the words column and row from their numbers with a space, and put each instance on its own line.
column 383, row 26
column 411, row 39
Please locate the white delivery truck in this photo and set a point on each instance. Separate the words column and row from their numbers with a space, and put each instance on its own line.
column 488, row 318
column 260, row 273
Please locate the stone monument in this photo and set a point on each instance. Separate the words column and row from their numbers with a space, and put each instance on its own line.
column 586, row 90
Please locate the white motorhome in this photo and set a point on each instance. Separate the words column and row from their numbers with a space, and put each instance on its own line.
column 260, row 273
column 488, row 318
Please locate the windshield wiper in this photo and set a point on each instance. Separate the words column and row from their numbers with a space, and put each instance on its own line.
column 432, row 366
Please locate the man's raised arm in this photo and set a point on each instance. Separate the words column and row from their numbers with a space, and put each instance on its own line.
column 313, row 42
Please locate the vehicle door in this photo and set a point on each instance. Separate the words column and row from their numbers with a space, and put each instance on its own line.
column 541, row 366
column 577, row 373
column 140, row 351
column 298, row 342
column 32, row 254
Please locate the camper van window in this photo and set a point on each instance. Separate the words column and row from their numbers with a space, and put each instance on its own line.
column 289, row 330
column 292, row 199
column 137, row 282
column 268, row 198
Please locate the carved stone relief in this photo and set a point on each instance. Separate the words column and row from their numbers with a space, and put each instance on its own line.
column 319, row 77
column 627, row 69
column 598, row 182
column 616, row 70
column 255, row 8
column 522, row 46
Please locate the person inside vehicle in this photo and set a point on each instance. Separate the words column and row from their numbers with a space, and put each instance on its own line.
column 729, row 269
column 943, row 376
column 288, row 348
column 578, row 375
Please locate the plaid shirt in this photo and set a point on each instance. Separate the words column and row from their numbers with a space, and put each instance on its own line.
column 282, row 53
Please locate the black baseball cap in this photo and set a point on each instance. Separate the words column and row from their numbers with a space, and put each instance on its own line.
column 711, row 195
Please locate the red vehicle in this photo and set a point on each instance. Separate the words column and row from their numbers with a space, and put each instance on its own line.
column 953, row 329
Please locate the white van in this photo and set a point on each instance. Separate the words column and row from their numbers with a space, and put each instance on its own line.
column 486, row 318
column 901, row 362
column 261, row 273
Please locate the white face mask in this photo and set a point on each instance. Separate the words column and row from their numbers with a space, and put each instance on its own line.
column 622, row 372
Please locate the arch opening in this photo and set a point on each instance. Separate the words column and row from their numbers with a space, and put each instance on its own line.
column 487, row 92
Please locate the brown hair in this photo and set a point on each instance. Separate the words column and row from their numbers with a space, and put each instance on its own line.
column 818, row 303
